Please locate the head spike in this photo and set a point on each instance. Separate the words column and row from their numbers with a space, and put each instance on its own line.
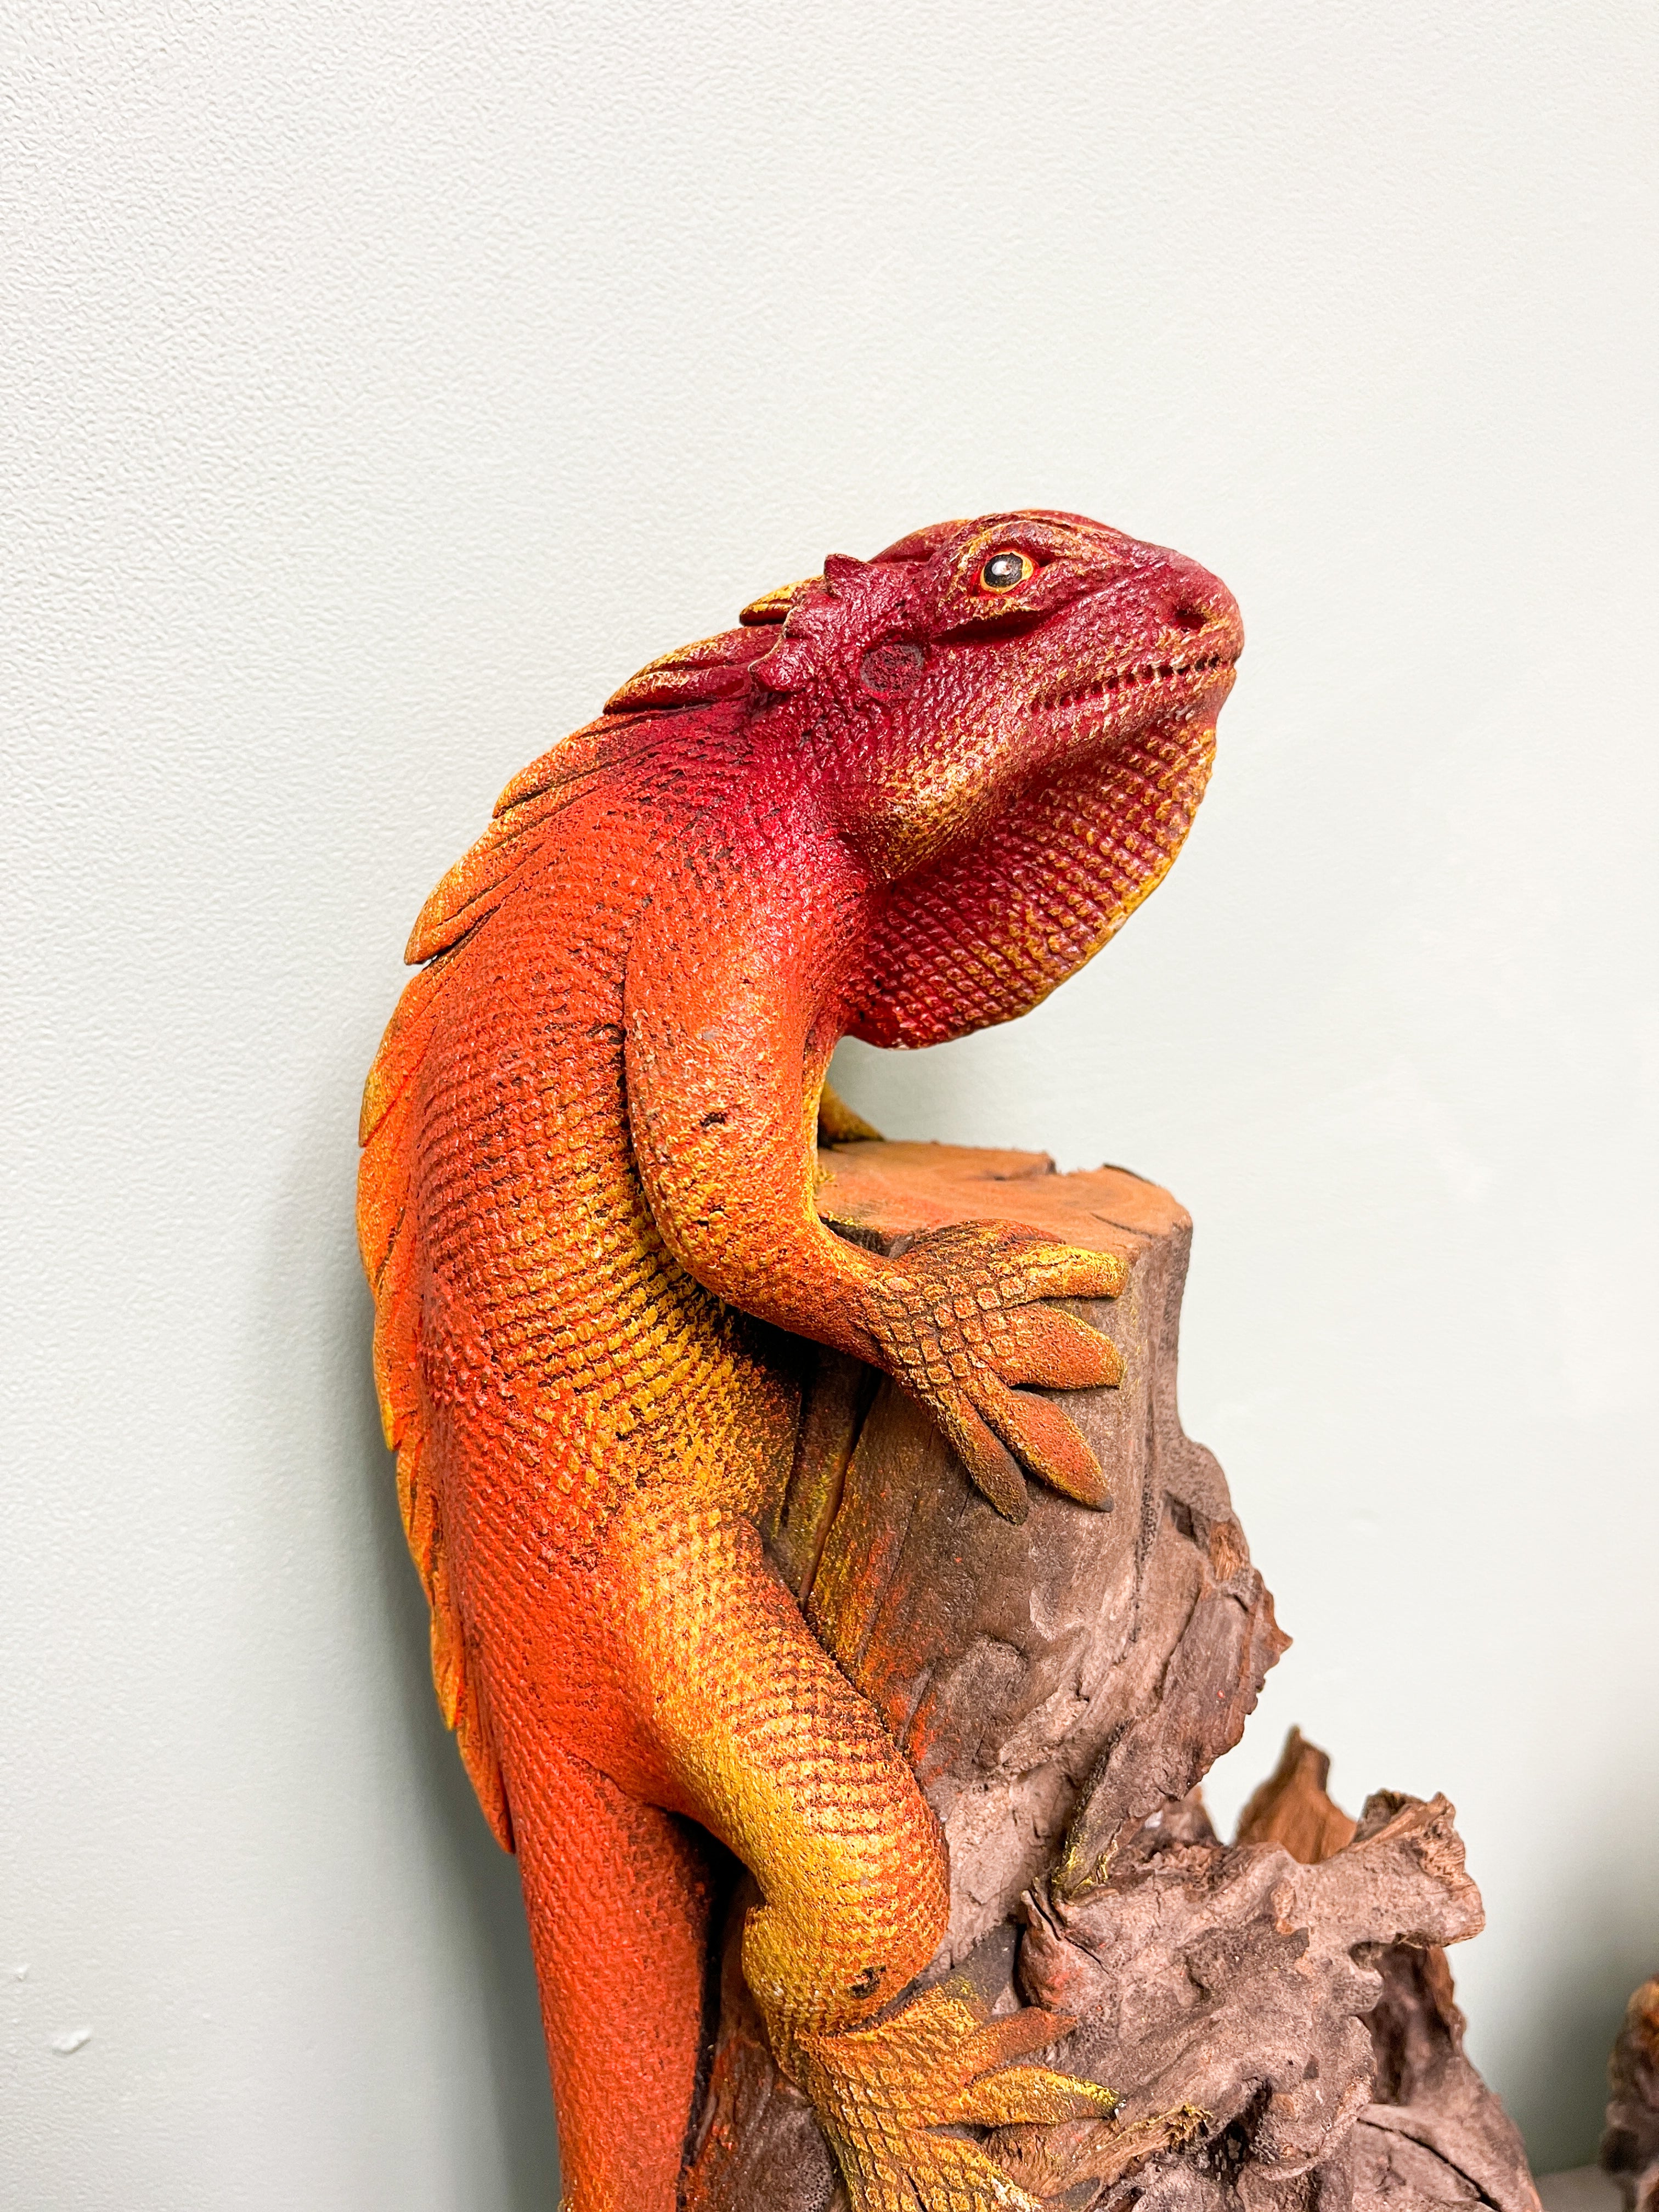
column 773, row 606
column 841, row 569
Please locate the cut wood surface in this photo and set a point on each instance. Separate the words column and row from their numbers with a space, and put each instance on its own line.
column 1276, row 2015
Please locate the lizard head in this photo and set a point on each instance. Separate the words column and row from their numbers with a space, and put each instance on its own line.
column 973, row 662
column 1009, row 722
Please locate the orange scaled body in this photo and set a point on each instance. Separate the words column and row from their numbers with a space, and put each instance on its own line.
column 903, row 801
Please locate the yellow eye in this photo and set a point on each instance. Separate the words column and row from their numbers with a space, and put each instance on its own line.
column 1006, row 571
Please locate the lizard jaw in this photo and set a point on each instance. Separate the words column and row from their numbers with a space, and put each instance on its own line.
column 1145, row 690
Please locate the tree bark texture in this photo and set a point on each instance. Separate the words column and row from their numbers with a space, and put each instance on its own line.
column 1277, row 2013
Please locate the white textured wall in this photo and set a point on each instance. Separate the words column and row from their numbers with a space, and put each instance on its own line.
column 383, row 382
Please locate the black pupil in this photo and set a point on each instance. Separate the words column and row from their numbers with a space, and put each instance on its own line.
column 1004, row 570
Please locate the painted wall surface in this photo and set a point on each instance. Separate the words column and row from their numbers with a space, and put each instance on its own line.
column 383, row 383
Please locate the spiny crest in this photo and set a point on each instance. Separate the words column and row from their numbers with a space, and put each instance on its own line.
column 712, row 669
column 844, row 608
column 472, row 889
column 780, row 638
column 391, row 1260
column 779, row 641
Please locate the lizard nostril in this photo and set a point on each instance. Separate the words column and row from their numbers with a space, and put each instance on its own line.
column 1189, row 617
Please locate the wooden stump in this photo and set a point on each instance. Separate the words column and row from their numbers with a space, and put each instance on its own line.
column 1060, row 1686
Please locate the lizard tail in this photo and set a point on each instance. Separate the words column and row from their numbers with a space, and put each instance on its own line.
column 619, row 1896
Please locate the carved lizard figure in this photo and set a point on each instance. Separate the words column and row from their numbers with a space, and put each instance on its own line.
column 903, row 800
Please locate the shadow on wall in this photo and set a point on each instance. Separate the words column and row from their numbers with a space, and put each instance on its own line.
column 1560, row 2079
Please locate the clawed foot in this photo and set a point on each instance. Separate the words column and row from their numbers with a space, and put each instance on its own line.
column 959, row 1321
column 885, row 2093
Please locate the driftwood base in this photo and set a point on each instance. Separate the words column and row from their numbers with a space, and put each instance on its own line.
column 1630, row 2149
column 1276, row 2015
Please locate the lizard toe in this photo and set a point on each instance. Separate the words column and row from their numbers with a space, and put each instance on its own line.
column 894, row 2095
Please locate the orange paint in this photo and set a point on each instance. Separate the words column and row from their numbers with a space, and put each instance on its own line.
column 894, row 805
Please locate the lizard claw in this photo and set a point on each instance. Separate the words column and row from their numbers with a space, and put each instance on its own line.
column 959, row 1320
column 885, row 2091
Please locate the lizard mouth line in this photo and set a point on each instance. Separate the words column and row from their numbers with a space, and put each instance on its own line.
column 1124, row 682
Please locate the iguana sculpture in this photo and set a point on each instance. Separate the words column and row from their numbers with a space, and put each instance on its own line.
column 903, row 800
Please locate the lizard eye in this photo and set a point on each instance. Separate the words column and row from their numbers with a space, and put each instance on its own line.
column 1006, row 571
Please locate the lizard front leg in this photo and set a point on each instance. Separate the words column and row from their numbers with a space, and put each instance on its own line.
column 731, row 988
column 734, row 982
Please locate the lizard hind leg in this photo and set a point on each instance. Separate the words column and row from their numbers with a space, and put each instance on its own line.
column 617, row 1895
column 764, row 1739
